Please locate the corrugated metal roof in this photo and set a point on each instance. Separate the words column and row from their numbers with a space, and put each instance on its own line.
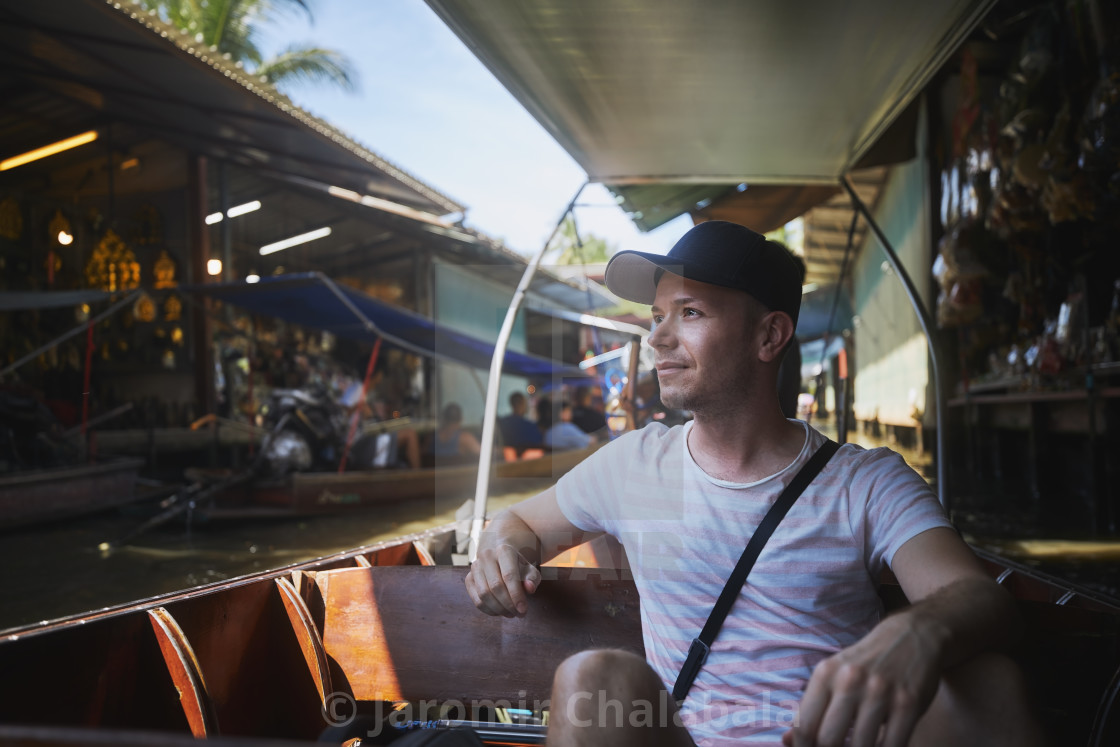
column 112, row 61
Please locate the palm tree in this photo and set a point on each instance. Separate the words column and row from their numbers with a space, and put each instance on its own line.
column 232, row 27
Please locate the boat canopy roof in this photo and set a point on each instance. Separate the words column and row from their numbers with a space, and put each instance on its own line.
column 672, row 104
column 314, row 300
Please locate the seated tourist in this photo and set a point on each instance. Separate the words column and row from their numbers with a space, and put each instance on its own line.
column 451, row 441
column 517, row 430
column 563, row 433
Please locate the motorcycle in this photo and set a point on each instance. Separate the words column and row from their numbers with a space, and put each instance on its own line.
column 306, row 431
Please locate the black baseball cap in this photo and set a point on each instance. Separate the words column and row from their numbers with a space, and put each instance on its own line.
column 720, row 253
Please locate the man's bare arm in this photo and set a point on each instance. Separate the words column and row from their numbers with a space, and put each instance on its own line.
column 889, row 678
column 510, row 548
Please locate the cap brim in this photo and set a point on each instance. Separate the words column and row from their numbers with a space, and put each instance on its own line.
column 632, row 275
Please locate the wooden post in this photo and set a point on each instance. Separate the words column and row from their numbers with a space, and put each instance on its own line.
column 199, row 239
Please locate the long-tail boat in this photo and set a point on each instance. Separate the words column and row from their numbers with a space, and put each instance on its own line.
column 375, row 640
column 387, row 633
column 312, row 493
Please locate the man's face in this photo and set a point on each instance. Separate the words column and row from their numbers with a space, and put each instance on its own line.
column 704, row 342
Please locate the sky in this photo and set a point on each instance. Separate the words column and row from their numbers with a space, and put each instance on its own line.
column 428, row 106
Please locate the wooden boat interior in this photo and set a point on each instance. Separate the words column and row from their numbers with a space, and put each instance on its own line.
column 338, row 647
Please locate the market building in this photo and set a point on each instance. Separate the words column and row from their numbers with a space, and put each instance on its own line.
column 138, row 164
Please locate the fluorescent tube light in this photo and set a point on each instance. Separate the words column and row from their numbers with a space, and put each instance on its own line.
column 303, row 238
column 252, row 278
column 233, row 212
column 48, row 150
column 248, row 207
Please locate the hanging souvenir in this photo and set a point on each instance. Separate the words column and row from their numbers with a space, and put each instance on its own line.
column 172, row 309
column 164, row 271
column 144, row 310
column 11, row 222
column 112, row 266
column 1066, row 195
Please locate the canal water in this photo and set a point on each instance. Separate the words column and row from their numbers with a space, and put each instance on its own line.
column 57, row 569
column 50, row 571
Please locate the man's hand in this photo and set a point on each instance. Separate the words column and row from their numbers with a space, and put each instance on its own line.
column 500, row 580
column 880, row 686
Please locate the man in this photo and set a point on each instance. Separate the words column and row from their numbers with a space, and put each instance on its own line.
column 516, row 429
column 803, row 658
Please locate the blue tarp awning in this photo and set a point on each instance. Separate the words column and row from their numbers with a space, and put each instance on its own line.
column 314, row 300
column 25, row 300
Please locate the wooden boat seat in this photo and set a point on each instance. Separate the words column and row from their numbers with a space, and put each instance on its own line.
column 412, row 633
column 1069, row 655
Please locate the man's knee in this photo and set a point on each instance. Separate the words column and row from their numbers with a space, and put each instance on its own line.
column 608, row 696
column 605, row 669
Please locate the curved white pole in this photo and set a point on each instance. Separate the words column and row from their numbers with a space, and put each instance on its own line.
column 928, row 329
column 490, row 414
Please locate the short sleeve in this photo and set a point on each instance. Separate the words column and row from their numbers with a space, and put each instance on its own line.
column 589, row 494
column 890, row 503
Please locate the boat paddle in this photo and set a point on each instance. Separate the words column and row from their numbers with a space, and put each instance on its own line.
column 183, row 500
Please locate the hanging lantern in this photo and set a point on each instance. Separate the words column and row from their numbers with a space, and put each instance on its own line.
column 60, row 230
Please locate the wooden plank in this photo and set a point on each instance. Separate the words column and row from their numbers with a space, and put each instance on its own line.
column 412, row 633
column 311, row 645
column 256, row 672
column 185, row 673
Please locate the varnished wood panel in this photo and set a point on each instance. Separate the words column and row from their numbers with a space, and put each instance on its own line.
column 412, row 633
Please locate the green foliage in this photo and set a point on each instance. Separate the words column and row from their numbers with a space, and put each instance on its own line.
column 570, row 248
column 233, row 28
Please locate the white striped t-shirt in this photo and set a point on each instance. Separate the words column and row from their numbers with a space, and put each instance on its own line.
column 811, row 593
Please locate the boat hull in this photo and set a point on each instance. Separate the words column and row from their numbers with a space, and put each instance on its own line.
column 312, row 493
column 332, row 644
column 48, row 495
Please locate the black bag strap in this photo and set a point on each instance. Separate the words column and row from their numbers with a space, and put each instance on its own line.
column 701, row 645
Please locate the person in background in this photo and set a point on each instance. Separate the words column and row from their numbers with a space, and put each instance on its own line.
column 563, row 434
column 586, row 417
column 451, row 440
column 516, row 429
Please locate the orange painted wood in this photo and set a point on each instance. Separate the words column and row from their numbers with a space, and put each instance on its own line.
column 422, row 553
column 185, row 672
column 412, row 633
column 310, row 643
